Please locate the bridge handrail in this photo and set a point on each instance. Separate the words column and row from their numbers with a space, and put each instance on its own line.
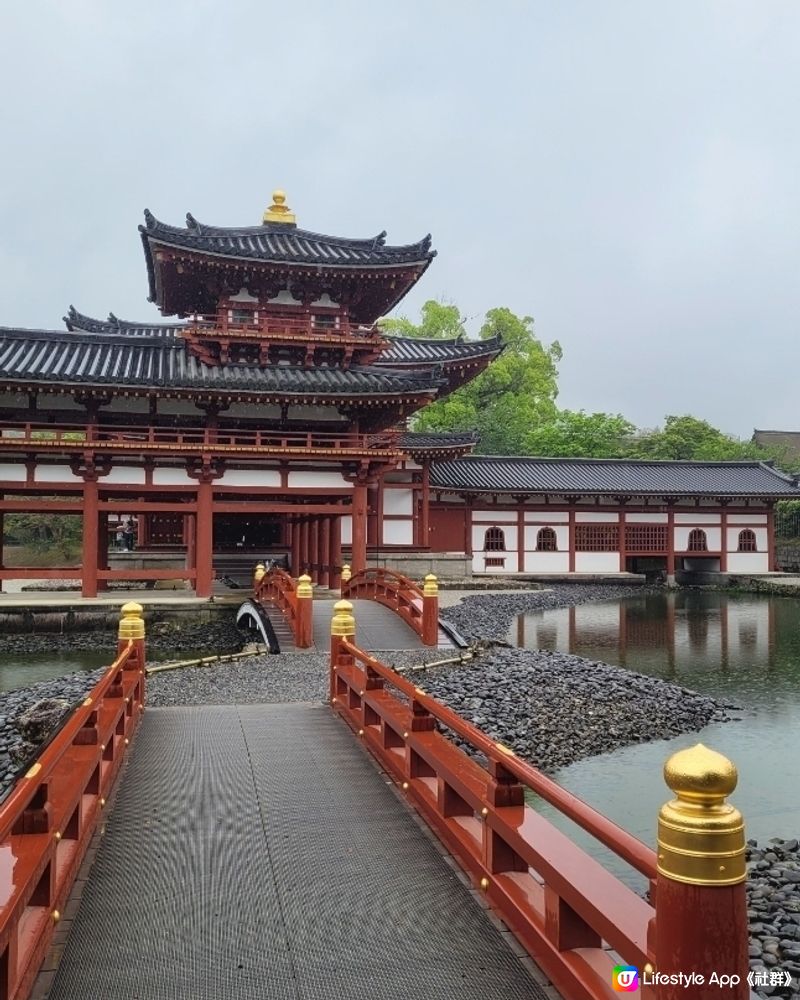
column 417, row 607
column 637, row 854
column 291, row 597
column 48, row 818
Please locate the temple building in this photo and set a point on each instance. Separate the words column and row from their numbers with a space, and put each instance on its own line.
column 270, row 416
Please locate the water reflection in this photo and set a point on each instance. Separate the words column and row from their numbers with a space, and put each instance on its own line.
column 743, row 649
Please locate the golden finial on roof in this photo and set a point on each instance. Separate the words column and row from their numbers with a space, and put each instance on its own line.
column 278, row 211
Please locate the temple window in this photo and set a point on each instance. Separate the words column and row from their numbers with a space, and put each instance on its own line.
column 698, row 542
column 546, row 540
column 242, row 317
column 596, row 537
column 325, row 321
column 747, row 541
column 494, row 540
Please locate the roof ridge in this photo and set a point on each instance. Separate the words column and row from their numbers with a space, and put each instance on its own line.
column 627, row 461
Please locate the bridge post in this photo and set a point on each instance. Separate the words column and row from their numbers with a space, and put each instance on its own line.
column 345, row 576
column 305, row 612
column 430, row 611
column 700, row 922
column 131, row 629
column 343, row 626
column 258, row 575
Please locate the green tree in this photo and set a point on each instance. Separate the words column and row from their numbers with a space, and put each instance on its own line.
column 516, row 393
column 581, row 435
column 689, row 438
column 440, row 321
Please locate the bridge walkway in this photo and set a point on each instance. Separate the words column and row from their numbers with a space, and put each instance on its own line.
column 257, row 852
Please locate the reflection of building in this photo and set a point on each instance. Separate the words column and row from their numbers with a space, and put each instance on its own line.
column 269, row 417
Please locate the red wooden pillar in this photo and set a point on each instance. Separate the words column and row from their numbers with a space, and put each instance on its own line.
column 771, row 564
column 468, row 526
column 723, row 546
column 375, row 505
column 425, row 507
column 2, row 530
column 91, row 523
column 520, row 539
column 359, row 557
column 671, row 545
column 294, row 567
column 303, row 567
column 623, row 557
column 189, row 522
column 324, row 552
column 335, row 553
column 204, row 545
column 315, row 559
column 102, row 547
column 142, row 531
column 572, row 540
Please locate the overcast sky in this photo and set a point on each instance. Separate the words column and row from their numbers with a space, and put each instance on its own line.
column 625, row 171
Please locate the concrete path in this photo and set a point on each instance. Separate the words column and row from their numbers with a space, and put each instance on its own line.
column 257, row 852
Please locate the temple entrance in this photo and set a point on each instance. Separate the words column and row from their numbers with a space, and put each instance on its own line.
column 246, row 532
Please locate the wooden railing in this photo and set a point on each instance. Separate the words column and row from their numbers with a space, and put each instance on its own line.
column 79, row 436
column 576, row 919
column 417, row 606
column 293, row 598
column 47, row 820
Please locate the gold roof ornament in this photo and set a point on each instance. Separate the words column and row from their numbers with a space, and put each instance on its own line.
column 279, row 211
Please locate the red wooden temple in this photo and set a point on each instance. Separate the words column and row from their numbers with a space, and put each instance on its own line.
column 269, row 418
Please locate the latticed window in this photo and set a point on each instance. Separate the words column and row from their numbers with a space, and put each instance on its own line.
column 646, row 537
column 698, row 542
column 494, row 561
column 747, row 541
column 546, row 540
column 596, row 537
column 494, row 540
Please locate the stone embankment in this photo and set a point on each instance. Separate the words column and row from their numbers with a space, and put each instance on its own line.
column 773, row 900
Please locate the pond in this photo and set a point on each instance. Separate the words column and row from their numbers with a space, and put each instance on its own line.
column 744, row 649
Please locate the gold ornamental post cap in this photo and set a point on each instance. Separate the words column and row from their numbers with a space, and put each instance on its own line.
column 279, row 211
column 346, row 573
column 430, row 587
column 131, row 622
column 343, row 623
column 304, row 588
column 700, row 835
column 260, row 572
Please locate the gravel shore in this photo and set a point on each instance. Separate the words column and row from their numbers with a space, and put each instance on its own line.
column 773, row 900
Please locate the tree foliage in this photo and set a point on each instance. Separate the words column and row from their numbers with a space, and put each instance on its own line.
column 59, row 534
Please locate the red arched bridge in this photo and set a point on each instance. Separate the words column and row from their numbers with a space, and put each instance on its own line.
column 258, row 851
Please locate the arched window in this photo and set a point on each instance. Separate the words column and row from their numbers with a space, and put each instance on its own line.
column 697, row 541
column 494, row 540
column 747, row 541
column 546, row 540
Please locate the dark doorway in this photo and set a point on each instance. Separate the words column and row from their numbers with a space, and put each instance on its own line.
column 245, row 532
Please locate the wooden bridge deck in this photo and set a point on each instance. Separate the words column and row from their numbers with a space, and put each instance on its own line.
column 257, row 852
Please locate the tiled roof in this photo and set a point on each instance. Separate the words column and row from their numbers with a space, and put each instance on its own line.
column 787, row 440
column 607, row 477
column 415, row 442
column 81, row 322
column 414, row 351
column 285, row 244
column 59, row 357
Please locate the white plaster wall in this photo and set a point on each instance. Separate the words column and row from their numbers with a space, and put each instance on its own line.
column 398, row 532
column 713, row 538
column 596, row 517
column 762, row 540
column 58, row 401
column 492, row 516
column 12, row 473
column 547, row 562
column 597, row 562
column 172, row 477
column 316, row 480
column 347, row 529
column 250, row 477
column 125, row 474
column 697, row 519
column 54, row 474
column 562, row 537
column 747, row 519
column 509, row 566
column 398, row 502
column 633, row 518
column 547, row 517
column 257, row 410
column 285, row 297
column 748, row 562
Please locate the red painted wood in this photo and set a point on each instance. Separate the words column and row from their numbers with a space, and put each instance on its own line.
column 572, row 539
column 204, row 580
column 359, row 513
column 324, row 536
column 335, row 553
column 279, row 588
column 90, row 552
column 424, row 539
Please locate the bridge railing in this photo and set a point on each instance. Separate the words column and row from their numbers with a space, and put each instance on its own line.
column 293, row 598
column 576, row 919
column 48, row 819
column 417, row 606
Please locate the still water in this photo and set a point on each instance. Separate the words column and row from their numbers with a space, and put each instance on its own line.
column 743, row 649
